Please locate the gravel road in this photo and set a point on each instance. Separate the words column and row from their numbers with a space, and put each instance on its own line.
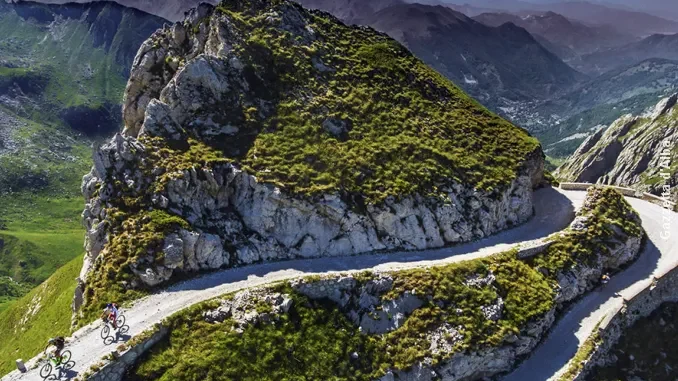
column 550, row 359
column 554, row 210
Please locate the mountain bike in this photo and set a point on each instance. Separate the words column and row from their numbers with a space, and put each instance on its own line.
column 106, row 329
column 54, row 362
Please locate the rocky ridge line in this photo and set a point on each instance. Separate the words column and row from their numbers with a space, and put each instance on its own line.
column 636, row 151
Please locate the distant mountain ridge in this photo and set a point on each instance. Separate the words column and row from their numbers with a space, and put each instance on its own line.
column 71, row 60
column 660, row 8
column 172, row 10
column 625, row 20
column 107, row 23
column 563, row 122
column 351, row 11
column 635, row 22
column 489, row 63
column 568, row 35
column 655, row 46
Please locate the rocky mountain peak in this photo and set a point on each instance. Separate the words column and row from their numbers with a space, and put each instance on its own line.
column 259, row 130
column 664, row 107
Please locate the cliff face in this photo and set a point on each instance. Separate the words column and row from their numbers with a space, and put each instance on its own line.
column 637, row 151
column 262, row 131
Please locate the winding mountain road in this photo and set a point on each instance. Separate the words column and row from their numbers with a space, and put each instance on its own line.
column 550, row 359
column 554, row 210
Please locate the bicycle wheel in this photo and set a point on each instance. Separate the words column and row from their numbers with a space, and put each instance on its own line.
column 120, row 321
column 105, row 331
column 46, row 370
column 65, row 357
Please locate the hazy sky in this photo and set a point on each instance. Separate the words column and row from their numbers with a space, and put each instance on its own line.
column 671, row 5
column 663, row 8
column 638, row 4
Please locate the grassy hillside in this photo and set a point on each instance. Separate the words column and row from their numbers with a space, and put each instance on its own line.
column 63, row 69
column 45, row 312
column 40, row 201
column 42, row 233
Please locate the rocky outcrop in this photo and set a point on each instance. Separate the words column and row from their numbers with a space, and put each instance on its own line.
column 252, row 222
column 366, row 308
column 364, row 302
column 193, row 108
column 248, row 308
column 636, row 151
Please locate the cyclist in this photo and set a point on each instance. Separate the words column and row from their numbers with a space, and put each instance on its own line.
column 605, row 278
column 111, row 313
column 58, row 343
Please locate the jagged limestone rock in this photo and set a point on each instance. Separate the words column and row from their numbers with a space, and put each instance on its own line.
column 250, row 307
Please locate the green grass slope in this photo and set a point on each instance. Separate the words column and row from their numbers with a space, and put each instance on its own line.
column 45, row 312
column 409, row 127
column 63, row 69
column 40, row 202
column 42, row 233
